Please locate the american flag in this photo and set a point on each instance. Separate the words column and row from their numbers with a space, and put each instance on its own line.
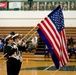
column 52, row 28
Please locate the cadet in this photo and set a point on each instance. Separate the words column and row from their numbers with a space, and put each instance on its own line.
column 14, row 58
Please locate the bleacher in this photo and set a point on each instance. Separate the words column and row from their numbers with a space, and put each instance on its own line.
column 70, row 31
column 21, row 30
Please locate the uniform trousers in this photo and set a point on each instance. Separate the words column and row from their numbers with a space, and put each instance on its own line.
column 13, row 66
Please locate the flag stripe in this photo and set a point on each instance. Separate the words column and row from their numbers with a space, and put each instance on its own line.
column 49, row 39
column 53, row 55
column 52, row 27
column 52, row 34
column 49, row 22
column 63, row 62
column 56, row 32
column 64, row 46
column 63, row 49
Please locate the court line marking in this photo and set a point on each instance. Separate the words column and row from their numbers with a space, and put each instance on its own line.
column 48, row 67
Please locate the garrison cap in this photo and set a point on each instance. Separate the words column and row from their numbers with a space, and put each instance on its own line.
column 8, row 36
column 16, row 35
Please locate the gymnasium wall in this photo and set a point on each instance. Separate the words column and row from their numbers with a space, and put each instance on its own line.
column 26, row 18
column 31, row 18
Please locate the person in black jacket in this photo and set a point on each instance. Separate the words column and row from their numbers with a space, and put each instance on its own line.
column 13, row 55
column 70, row 51
column 46, row 51
column 74, row 50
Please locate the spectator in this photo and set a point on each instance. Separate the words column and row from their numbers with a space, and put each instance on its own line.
column 1, row 45
column 74, row 50
column 46, row 51
column 34, row 41
column 70, row 41
column 3, row 38
column 12, row 33
column 29, row 47
column 70, row 51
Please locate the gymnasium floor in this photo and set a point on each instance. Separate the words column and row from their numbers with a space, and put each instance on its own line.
column 42, row 66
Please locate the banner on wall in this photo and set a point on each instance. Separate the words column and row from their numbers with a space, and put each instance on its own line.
column 3, row 4
column 14, row 5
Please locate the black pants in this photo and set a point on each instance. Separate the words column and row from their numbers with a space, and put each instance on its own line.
column 13, row 66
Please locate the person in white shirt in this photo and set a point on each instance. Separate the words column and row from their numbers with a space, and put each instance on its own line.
column 34, row 40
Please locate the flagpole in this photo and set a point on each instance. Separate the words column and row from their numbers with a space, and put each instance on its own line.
column 2, row 56
column 48, row 67
column 3, row 63
column 55, row 72
column 29, row 32
column 31, row 36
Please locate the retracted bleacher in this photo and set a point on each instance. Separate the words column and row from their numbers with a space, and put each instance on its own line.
column 70, row 31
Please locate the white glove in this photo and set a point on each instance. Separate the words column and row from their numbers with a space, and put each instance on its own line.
column 20, row 42
column 23, row 44
column 75, row 51
column 14, row 46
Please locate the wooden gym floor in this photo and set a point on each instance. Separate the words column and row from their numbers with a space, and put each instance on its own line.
column 41, row 66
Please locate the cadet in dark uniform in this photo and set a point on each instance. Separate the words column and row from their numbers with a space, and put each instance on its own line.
column 13, row 54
